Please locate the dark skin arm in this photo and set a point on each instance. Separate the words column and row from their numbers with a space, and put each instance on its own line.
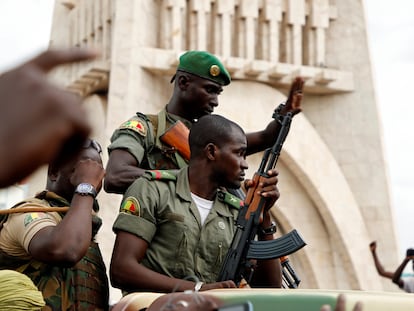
column 122, row 169
column 268, row 273
column 259, row 141
column 380, row 269
column 67, row 242
column 56, row 116
column 127, row 273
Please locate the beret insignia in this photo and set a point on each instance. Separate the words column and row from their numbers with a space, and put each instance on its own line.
column 131, row 206
column 29, row 218
column 214, row 70
column 136, row 126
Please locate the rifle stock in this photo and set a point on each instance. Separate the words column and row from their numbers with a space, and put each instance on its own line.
column 243, row 248
column 177, row 136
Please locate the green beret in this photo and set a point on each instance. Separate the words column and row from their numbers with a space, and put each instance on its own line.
column 204, row 65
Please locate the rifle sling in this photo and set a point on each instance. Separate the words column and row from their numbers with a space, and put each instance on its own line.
column 283, row 246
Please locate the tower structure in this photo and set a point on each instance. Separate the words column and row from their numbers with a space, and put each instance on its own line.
column 333, row 174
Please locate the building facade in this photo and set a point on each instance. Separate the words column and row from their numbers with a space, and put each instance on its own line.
column 333, row 174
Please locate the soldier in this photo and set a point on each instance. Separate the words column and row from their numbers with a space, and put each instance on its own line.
column 174, row 225
column 50, row 238
column 199, row 79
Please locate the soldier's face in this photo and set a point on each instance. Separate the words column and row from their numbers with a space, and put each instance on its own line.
column 202, row 96
column 231, row 160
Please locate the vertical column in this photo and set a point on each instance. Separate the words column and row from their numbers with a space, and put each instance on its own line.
column 272, row 15
column 172, row 14
column 318, row 23
column 224, row 29
column 198, row 27
column 295, row 19
column 249, row 12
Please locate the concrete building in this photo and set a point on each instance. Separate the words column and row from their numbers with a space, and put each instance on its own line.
column 333, row 175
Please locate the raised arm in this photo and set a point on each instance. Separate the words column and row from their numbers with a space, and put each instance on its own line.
column 258, row 141
column 381, row 271
column 68, row 241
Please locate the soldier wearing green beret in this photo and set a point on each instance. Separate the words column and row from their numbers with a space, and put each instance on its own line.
column 137, row 146
column 178, row 224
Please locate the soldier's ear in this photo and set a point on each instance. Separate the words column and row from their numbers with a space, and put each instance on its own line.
column 183, row 81
column 211, row 151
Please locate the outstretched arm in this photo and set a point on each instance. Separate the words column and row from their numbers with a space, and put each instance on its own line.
column 55, row 116
column 259, row 141
column 378, row 265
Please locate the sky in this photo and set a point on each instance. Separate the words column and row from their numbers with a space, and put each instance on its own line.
column 390, row 24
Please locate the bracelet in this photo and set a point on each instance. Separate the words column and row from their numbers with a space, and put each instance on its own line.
column 269, row 230
column 198, row 286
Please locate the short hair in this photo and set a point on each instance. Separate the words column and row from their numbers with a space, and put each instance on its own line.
column 211, row 129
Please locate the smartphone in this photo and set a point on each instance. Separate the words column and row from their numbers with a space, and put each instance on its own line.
column 242, row 306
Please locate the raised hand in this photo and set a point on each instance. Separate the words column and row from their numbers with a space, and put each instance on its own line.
column 38, row 119
column 294, row 99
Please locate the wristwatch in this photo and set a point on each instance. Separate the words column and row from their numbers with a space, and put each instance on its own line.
column 86, row 189
column 269, row 230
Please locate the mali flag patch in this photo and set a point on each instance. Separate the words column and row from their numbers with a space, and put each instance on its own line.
column 131, row 206
column 30, row 217
column 136, row 126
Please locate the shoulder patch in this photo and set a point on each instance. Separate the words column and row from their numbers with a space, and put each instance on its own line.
column 135, row 125
column 30, row 217
column 230, row 199
column 161, row 175
column 131, row 206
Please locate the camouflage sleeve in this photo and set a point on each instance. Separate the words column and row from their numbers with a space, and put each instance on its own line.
column 131, row 136
column 138, row 210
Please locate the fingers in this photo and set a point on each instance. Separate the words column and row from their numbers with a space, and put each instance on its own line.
column 340, row 303
column 295, row 96
column 52, row 58
column 358, row 306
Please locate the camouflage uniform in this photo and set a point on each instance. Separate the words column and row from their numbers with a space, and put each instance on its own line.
column 81, row 287
column 140, row 136
column 158, row 208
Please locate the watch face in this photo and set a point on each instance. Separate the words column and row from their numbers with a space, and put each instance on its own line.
column 85, row 188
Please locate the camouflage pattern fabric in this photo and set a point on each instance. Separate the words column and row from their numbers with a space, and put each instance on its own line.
column 82, row 287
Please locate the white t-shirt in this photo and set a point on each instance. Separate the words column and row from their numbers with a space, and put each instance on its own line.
column 408, row 284
column 204, row 206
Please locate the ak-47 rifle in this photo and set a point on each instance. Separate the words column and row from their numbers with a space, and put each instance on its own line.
column 177, row 137
column 289, row 277
column 244, row 247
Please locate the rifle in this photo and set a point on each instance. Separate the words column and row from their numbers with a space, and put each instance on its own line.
column 244, row 247
column 177, row 137
column 289, row 277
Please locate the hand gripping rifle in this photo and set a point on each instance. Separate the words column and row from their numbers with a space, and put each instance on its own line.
column 244, row 247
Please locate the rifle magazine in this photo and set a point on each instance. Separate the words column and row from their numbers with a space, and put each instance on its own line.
column 283, row 246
